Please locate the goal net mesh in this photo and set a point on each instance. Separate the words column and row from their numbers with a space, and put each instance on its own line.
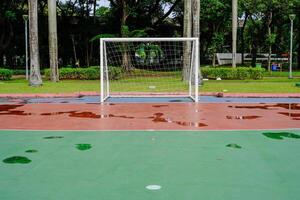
column 148, row 68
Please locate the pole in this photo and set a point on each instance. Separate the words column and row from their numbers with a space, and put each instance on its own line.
column 291, row 50
column 26, row 48
column 234, row 31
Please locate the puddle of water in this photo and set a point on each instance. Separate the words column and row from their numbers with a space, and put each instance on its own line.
column 9, row 110
column 243, row 117
column 290, row 114
column 9, row 107
column 31, row 151
column 83, row 147
column 17, row 160
column 158, row 117
column 160, row 106
column 293, row 106
column 281, row 135
column 235, row 146
column 53, row 137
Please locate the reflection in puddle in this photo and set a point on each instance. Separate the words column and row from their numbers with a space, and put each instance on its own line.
column 243, row 117
column 235, row 146
column 17, row 160
column 158, row 117
column 83, row 147
column 290, row 114
column 281, row 135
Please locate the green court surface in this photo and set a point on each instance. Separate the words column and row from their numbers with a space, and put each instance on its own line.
column 241, row 165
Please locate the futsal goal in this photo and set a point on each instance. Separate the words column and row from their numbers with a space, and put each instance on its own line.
column 149, row 67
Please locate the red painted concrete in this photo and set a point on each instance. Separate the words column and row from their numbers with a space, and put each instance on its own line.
column 165, row 116
column 219, row 94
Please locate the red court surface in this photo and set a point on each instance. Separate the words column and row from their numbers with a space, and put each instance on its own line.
column 145, row 116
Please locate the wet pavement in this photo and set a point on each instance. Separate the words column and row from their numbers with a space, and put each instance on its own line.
column 149, row 116
column 96, row 99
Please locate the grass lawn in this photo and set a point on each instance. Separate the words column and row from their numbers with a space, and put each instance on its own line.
column 267, row 85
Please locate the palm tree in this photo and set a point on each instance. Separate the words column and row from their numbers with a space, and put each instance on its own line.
column 53, row 57
column 234, row 31
column 187, row 32
column 35, row 78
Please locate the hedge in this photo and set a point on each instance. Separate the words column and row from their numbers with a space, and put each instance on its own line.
column 240, row 73
column 5, row 74
column 90, row 73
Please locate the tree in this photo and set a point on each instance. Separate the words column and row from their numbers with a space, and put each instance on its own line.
column 234, row 31
column 187, row 32
column 35, row 75
column 196, row 28
column 53, row 51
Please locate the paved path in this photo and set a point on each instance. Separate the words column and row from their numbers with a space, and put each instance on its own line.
column 165, row 116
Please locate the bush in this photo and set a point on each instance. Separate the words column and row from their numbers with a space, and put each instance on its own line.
column 19, row 72
column 5, row 74
column 90, row 73
column 239, row 73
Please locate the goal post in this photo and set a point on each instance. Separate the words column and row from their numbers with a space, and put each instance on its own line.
column 149, row 67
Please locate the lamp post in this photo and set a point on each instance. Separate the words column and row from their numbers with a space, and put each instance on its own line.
column 292, row 17
column 25, row 17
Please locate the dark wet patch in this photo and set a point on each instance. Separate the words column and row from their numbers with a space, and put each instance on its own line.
column 9, row 107
column 89, row 115
column 281, row 135
column 53, row 137
column 290, row 114
column 243, row 117
column 9, row 110
column 160, row 106
column 292, row 106
column 17, row 160
column 295, row 118
column 235, row 146
column 84, row 115
column 83, row 147
column 31, row 151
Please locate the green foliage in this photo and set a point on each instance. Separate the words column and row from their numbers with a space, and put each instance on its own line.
column 97, row 37
column 240, row 73
column 90, row 73
column 10, row 15
column 5, row 74
column 19, row 72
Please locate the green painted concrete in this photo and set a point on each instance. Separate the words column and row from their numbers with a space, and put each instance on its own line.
column 119, row 165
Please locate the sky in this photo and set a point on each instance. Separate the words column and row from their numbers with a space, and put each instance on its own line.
column 104, row 3
column 101, row 3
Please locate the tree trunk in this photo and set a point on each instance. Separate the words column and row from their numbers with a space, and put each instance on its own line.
column 254, row 54
column 243, row 39
column 95, row 5
column 126, row 60
column 187, row 32
column 35, row 75
column 270, row 45
column 234, row 31
column 196, row 29
column 53, row 51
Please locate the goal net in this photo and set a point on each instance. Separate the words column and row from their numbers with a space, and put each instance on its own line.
column 149, row 67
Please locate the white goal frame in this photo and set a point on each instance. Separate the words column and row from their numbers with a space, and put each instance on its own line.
column 195, row 62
